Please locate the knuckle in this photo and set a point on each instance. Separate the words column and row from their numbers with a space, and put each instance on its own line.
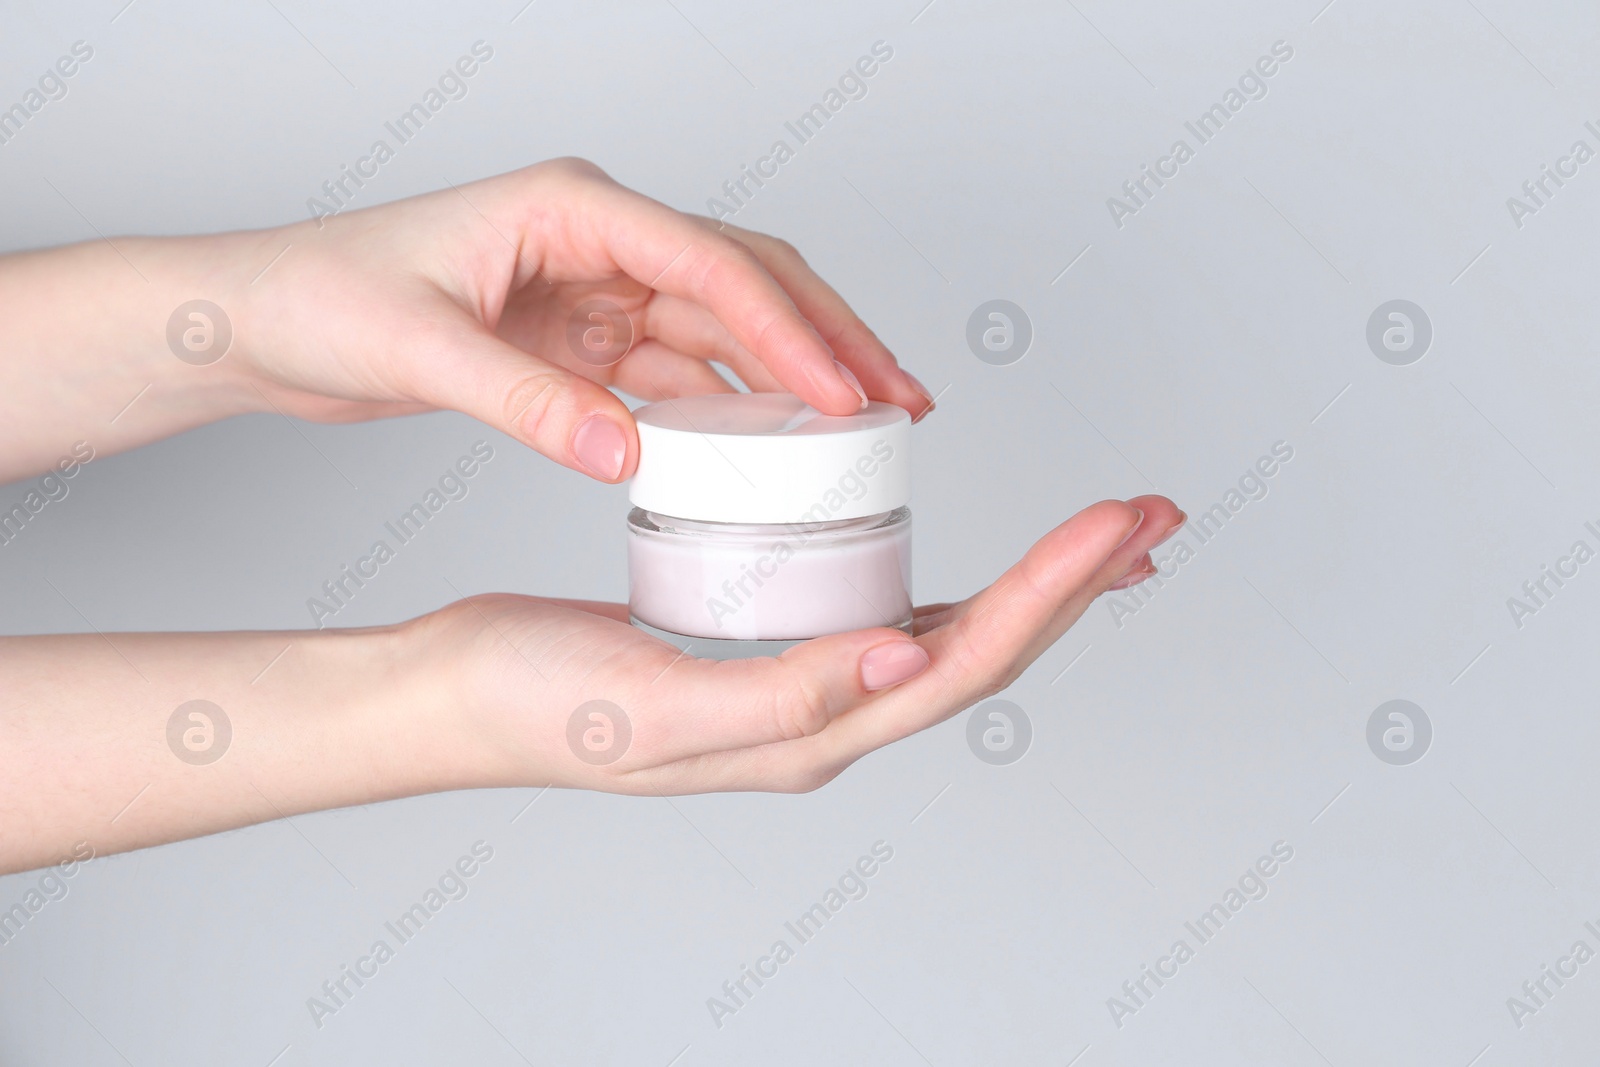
column 801, row 708
column 722, row 264
column 806, row 777
column 991, row 683
column 982, row 676
column 1039, row 579
column 785, row 250
column 851, row 334
column 775, row 323
column 728, row 349
column 529, row 401
column 572, row 166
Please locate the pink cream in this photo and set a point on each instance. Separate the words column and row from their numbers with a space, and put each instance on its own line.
column 750, row 582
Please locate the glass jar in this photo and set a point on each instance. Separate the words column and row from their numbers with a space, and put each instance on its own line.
column 759, row 522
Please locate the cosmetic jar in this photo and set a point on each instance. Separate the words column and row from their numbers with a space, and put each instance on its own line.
column 759, row 522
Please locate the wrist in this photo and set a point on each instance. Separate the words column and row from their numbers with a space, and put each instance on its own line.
column 198, row 315
column 399, row 726
column 467, row 657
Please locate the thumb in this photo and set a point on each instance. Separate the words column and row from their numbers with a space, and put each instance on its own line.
column 702, row 706
column 565, row 416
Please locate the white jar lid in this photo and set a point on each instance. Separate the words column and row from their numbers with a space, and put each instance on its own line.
column 770, row 458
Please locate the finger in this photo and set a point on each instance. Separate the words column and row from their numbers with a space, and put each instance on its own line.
column 1131, row 561
column 451, row 360
column 605, row 608
column 1162, row 520
column 702, row 706
column 997, row 633
column 853, row 343
column 764, row 769
column 654, row 371
column 1050, row 577
column 673, row 253
column 978, row 654
column 931, row 617
column 1141, row 570
column 690, row 328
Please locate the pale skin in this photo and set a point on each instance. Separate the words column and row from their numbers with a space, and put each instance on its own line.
column 459, row 300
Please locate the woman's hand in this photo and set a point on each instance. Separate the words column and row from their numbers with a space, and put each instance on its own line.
column 465, row 299
column 484, row 693
column 671, row 723
column 490, row 298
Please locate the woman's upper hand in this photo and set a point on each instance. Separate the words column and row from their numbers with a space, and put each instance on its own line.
column 478, row 298
column 570, row 694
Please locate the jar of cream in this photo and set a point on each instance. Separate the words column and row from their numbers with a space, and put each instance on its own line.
column 758, row 522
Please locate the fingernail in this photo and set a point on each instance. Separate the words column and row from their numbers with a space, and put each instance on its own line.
column 600, row 446
column 1137, row 523
column 892, row 664
column 923, row 389
column 1135, row 576
column 1174, row 528
column 851, row 380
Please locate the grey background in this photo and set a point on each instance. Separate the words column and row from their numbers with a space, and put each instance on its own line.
column 1225, row 716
